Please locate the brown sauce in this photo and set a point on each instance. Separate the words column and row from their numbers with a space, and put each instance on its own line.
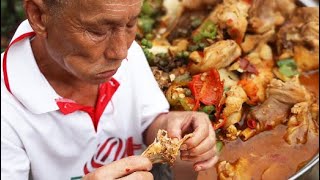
column 269, row 156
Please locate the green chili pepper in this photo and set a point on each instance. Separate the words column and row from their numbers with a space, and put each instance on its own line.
column 219, row 146
column 208, row 109
column 208, row 31
column 288, row 67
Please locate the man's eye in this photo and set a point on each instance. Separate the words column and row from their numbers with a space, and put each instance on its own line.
column 132, row 24
column 97, row 33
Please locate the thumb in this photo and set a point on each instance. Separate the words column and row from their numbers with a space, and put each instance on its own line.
column 124, row 167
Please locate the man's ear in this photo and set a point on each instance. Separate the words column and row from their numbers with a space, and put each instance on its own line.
column 37, row 14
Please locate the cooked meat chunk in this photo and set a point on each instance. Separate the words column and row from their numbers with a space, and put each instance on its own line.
column 281, row 97
column 301, row 124
column 232, row 16
column 164, row 149
column 255, row 84
column 267, row 15
column 300, row 38
column 236, row 96
column 229, row 78
column 196, row 4
column 161, row 77
column 218, row 55
column 251, row 41
column 236, row 170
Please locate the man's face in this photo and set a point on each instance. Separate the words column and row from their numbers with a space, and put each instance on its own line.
column 92, row 37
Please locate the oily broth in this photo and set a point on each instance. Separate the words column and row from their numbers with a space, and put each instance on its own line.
column 269, row 156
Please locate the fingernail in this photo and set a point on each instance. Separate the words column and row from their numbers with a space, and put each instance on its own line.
column 183, row 147
column 198, row 168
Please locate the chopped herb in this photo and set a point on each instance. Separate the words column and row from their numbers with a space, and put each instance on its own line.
column 208, row 109
column 219, row 146
column 208, row 31
column 288, row 67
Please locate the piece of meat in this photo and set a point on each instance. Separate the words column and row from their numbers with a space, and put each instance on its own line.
column 301, row 124
column 161, row 77
column 197, row 4
column 281, row 96
column 236, row 96
column 219, row 55
column 257, row 90
column 251, row 41
column 232, row 15
column 267, row 15
column 164, row 149
column 299, row 38
column 239, row 170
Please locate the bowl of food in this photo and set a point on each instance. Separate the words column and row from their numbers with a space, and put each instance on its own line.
column 252, row 66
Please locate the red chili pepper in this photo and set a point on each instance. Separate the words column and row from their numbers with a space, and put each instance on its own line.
column 251, row 123
column 208, row 91
column 247, row 66
column 221, row 122
column 248, row 1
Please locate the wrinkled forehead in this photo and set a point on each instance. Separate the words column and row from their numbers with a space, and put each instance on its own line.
column 104, row 10
column 113, row 5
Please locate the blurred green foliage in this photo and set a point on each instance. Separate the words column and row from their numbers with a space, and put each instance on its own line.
column 11, row 15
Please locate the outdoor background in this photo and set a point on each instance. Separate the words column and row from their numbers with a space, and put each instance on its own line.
column 11, row 16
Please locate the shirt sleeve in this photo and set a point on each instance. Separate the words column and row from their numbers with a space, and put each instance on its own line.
column 151, row 100
column 15, row 164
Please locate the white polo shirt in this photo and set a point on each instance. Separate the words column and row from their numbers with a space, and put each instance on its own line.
column 53, row 138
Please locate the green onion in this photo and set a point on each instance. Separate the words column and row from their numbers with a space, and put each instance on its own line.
column 288, row 67
column 184, row 104
column 208, row 31
column 208, row 109
column 147, row 9
column 146, row 43
column 146, row 24
column 219, row 146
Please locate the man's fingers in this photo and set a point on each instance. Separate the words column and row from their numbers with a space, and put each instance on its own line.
column 201, row 131
column 204, row 165
column 203, row 147
column 175, row 128
column 126, row 166
column 203, row 157
column 141, row 175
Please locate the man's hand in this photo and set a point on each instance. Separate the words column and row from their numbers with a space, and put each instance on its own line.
column 200, row 148
column 134, row 167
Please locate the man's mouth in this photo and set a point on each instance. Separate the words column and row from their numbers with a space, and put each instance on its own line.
column 107, row 74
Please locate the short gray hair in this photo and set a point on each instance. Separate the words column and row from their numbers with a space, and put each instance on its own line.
column 55, row 6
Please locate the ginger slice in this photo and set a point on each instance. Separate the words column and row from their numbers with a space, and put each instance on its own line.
column 164, row 149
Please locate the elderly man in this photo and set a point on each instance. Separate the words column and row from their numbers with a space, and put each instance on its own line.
column 79, row 99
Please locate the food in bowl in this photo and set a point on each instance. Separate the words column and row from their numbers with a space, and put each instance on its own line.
column 252, row 66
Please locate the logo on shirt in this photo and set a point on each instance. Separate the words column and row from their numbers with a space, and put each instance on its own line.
column 110, row 150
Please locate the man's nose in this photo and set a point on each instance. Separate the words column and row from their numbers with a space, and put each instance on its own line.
column 117, row 46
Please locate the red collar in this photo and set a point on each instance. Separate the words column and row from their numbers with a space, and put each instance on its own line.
column 106, row 92
column 5, row 74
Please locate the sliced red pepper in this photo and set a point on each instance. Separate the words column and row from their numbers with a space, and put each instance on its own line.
column 251, row 90
column 247, row 66
column 252, row 124
column 208, row 91
column 221, row 122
